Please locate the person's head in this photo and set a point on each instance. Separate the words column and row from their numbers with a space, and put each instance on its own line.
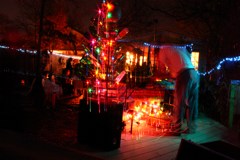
column 46, row 74
column 52, row 77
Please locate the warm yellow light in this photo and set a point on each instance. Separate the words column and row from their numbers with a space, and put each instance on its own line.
column 145, row 59
column 111, row 43
column 140, row 60
column 110, row 6
column 103, row 76
column 195, row 59
column 130, row 58
column 136, row 59
column 127, row 58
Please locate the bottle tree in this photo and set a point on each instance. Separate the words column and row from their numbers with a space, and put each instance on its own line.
column 103, row 49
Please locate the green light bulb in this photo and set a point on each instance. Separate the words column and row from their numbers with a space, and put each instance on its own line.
column 109, row 15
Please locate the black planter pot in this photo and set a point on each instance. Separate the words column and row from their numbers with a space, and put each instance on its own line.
column 101, row 126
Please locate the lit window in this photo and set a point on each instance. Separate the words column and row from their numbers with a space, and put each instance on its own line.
column 195, row 59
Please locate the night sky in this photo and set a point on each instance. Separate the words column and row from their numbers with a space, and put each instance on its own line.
column 88, row 9
column 9, row 8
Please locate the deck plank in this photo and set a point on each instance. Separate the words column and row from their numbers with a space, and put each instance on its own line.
column 164, row 147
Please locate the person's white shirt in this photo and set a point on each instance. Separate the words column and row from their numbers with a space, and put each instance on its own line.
column 175, row 58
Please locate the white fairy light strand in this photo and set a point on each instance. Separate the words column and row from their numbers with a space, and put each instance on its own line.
column 219, row 66
column 164, row 46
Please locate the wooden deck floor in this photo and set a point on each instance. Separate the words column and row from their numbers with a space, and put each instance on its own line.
column 146, row 146
column 142, row 144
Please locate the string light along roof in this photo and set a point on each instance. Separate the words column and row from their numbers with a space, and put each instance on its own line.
column 217, row 67
column 167, row 45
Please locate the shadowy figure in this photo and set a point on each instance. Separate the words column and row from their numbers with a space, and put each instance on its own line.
column 178, row 61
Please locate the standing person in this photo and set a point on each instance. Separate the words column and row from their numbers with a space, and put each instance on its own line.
column 178, row 62
column 46, row 83
column 77, row 85
column 69, row 65
column 54, row 91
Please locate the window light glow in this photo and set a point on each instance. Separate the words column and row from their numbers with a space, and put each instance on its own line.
column 195, row 59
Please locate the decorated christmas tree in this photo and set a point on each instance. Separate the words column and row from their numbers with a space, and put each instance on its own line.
column 102, row 57
column 100, row 118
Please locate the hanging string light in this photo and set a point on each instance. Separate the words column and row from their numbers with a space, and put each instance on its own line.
column 164, row 46
column 219, row 66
